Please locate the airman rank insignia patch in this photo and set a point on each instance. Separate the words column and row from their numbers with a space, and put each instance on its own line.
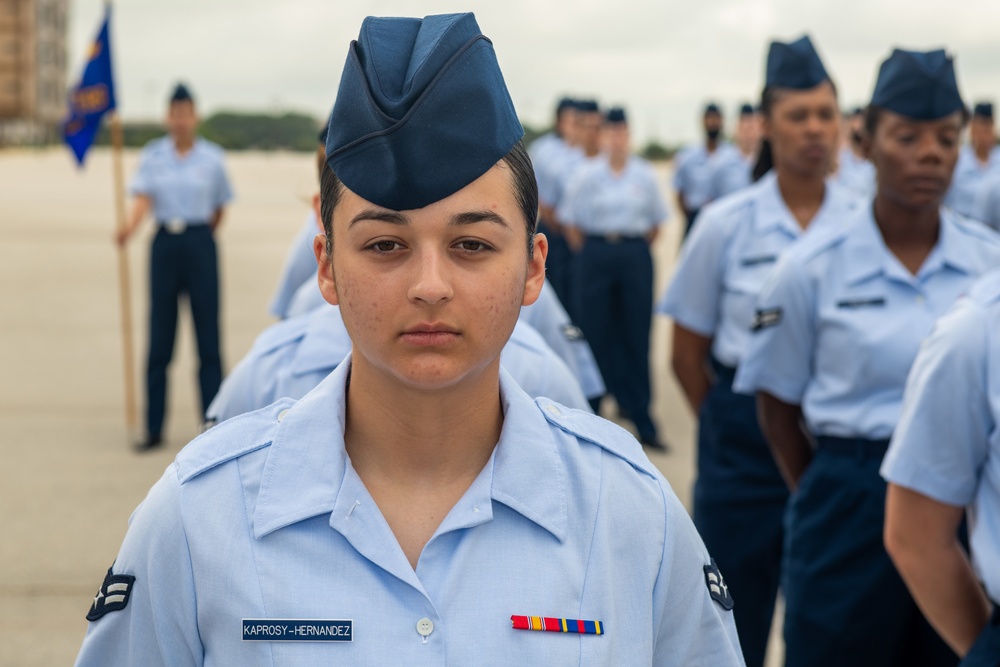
column 717, row 587
column 764, row 318
column 113, row 596
column 572, row 332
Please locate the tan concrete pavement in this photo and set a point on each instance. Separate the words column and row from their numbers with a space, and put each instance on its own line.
column 68, row 481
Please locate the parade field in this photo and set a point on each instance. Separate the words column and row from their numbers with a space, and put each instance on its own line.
column 70, row 480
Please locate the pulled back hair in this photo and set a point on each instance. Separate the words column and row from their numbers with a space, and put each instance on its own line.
column 523, row 182
column 765, row 158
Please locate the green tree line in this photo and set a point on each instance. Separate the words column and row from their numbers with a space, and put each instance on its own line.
column 238, row 131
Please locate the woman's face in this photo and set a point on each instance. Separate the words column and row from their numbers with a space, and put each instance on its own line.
column 914, row 159
column 803, row 128
column 431, row 295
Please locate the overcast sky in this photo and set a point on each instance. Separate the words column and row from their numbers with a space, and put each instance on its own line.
column 661, row 59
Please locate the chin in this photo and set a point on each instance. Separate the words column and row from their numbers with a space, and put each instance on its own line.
column 435, row 372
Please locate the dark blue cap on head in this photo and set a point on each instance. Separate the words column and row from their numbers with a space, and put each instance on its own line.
column 564, row 104
column 983, row 110
column 794, row 65
column 422, row 111
column 181, row 94
column 712, row 107
column 918, row 85
column 587, row 106
column 746, row 109
column 615, row 115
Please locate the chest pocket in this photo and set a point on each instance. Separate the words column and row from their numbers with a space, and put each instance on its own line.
column 749, row 272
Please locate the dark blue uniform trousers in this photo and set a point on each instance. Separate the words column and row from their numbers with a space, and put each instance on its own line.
column 739, row 506
column 845, row 602
column 613, row 285
column 184, row 263
column 985, row 652
column 558, row 269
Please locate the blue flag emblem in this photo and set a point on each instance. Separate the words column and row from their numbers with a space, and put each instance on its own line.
column 93, row 97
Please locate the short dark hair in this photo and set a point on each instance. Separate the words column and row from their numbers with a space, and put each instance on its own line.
column 517, row 160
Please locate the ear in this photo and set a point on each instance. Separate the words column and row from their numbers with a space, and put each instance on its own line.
column 327, row 283
column 536, row 270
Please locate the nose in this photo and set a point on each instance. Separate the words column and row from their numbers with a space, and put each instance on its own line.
column 431, row 282
column 930, row 149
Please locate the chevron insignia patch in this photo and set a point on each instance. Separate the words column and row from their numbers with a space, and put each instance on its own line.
column 113, row 596
column 717, row 587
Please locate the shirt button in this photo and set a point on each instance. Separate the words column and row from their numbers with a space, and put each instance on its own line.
column 425, row 627
column 920, row 298
column 281, row 415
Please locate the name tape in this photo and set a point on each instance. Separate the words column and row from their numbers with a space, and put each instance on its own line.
column 297, row 630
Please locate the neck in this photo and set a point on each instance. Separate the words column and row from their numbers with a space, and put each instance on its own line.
column 982, row 153
column 901, row 225
column 617, row 162
column 803, row 193
column 183, row 144
column 591, row 152
column 411, row 437
column 711, row 144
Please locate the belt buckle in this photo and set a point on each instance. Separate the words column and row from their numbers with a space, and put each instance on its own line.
column 175, row 226
column 613, row 237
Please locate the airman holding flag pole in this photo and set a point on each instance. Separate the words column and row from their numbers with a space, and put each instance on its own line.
column 89, row 101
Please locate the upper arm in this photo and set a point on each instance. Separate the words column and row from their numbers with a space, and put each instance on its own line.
column 691, row 629
column 778, row 358
column 158, row 625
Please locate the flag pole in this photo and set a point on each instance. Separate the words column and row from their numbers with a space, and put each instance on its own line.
column 128, row 350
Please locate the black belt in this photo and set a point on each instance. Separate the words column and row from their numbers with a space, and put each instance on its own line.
column 723, row 372
column 861, row 448
column 178, row 226
column 614, row 237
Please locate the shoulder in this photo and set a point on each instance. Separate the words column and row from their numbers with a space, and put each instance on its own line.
column 823, row 242
column 600, row 432
column 230, row 440
column 280, row 334
column 210, row 148
column 155, row 147
column 723, row 215
column 972, row 230
column 985, row 292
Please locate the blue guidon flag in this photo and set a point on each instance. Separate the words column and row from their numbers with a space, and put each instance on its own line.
column 93, row 97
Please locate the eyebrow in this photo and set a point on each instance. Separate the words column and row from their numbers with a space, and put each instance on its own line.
column 394, row 218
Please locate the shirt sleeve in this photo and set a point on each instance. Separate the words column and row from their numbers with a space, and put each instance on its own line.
column 658, row 207
column 695, row 290
column 779, row 357
column 573, row 203
column 158, row 625
column 942, row 440
column 223, row 190
column 679, row 171
column 142, row 182
column 691, row 629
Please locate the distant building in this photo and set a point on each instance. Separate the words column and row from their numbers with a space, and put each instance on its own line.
column 32, row 70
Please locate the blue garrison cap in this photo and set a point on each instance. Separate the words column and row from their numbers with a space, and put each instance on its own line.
column 587, row 106
column 712, row 107
column 983, row 110
column 794, row 65
column 564, row 104
column 746, row 109
column 422, row 111
column 181, row 94
column 615, row 115
column 918, row 85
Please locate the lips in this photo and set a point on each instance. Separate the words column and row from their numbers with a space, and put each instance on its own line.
column 430, row 334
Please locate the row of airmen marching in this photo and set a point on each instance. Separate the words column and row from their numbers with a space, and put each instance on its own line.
column 818, row 335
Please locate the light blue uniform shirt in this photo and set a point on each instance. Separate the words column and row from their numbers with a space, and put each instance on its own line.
column 264, row 517
column 947, row 444
column 548, row 317
column 293, row 356
column 300, row 266
column 729, row 256
column 988, row 201
column 841, row 320
column 189, row 188
column 733, row 174
column 694, row 172
column 543, row 151
column 856, row 174
column 306, row 298
column 558, row 170
column 599, row 201
column 969, row 175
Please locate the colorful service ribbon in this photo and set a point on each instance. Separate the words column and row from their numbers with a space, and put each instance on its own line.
column 548, row 624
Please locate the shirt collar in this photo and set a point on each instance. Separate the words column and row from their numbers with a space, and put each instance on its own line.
column 773, row 213
column 867, row 254
column 307, row 461
column 324, row 344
